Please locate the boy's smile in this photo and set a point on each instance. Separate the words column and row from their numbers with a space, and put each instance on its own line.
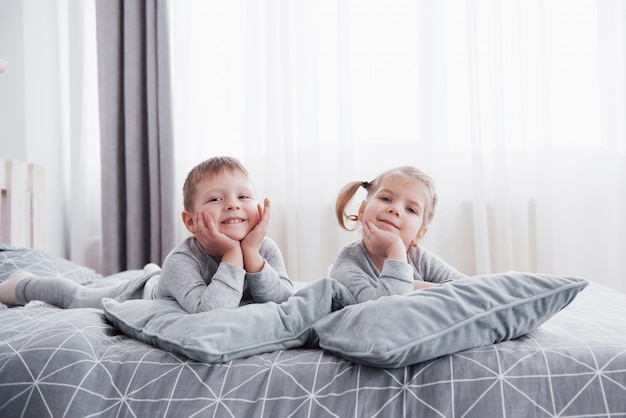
column 233, row 221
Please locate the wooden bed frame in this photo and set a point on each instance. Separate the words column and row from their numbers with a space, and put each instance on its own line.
column 22, row 204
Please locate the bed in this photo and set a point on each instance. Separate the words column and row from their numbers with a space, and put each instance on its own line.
column 560, row 354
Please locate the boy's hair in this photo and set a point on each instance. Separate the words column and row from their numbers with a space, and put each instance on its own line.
column 406, row 172
column 212, row 166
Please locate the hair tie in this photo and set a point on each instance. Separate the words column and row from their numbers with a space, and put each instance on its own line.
column 365, row 184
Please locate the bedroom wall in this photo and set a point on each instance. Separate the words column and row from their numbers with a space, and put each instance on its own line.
column 31, row 111
column 12, row 81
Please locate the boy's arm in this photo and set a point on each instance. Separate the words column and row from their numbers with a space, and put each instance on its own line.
column 271, row 284
column 182, row 279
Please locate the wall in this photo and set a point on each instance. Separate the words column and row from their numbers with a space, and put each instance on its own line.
column 31, row 109
column 12, row 115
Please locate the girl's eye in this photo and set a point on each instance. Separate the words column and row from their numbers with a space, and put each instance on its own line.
column 412, row 210
column 385, row 199
column 244, row 197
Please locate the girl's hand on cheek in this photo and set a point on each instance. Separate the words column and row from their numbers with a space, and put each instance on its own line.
column 381, row 243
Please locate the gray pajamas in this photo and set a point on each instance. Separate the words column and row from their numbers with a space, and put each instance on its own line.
column 200, row 283
column 65, row 293
column 189, row 275
column 354, row 269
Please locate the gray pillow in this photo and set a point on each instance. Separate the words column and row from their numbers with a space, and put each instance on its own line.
column 224, row 334
column 395, row 331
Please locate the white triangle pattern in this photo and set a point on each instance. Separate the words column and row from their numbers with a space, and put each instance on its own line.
column 73, row 363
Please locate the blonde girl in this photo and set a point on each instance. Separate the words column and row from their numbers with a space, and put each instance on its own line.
column 394, row 217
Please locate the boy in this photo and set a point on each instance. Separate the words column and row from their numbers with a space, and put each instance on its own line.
column 227, row 262
column 229, row 259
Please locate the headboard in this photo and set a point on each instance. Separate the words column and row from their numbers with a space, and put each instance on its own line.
column 22, row 204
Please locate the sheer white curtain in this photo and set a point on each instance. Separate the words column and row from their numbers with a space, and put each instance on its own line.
column 80, row 132
column 516, row 108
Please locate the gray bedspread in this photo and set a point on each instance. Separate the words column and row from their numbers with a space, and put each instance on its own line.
column 73, row 363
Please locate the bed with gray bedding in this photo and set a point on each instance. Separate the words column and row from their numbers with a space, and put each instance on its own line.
column 481, row 351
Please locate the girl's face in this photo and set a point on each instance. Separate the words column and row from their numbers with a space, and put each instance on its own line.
column 229, row 198
column 398, row 206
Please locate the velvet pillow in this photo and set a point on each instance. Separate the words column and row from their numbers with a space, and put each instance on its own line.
column 395, row 331
column 225, row 334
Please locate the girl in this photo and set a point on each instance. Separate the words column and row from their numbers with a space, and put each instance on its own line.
column 227, row 261
column 400, row 204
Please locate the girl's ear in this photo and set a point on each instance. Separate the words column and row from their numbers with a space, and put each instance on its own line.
column 189, row 221
column 419, row 236
column 361, row 209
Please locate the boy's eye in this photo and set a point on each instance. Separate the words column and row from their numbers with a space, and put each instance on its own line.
column 412, row 210
column 244, row 196
column 215, row 199
column 385, row 199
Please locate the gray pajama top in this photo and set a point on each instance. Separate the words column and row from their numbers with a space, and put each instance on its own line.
column 201, row 283
column 354, row 268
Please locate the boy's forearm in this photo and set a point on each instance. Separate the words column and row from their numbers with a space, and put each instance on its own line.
column 234, row 256
column 252, row 261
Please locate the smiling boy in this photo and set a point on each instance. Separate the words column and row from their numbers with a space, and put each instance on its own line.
column 228, row 261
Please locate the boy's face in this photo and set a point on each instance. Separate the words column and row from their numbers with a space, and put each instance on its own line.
column 229, row 198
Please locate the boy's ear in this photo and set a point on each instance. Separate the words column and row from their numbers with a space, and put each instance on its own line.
column 188, row 220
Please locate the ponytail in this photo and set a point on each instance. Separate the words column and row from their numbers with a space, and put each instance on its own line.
column 343, row 199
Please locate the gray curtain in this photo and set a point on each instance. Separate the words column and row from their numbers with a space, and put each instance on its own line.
column 136, row 133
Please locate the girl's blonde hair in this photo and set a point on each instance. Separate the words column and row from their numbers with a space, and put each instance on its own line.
column 406, row 172
column 212, row 166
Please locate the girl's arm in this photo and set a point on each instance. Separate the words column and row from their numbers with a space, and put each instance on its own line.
column 432, row 268
column 354, row 269
column 419, row 285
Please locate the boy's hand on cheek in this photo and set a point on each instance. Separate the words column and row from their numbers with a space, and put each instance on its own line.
column 256, row 235
column 214, row 242
column 253, row 261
